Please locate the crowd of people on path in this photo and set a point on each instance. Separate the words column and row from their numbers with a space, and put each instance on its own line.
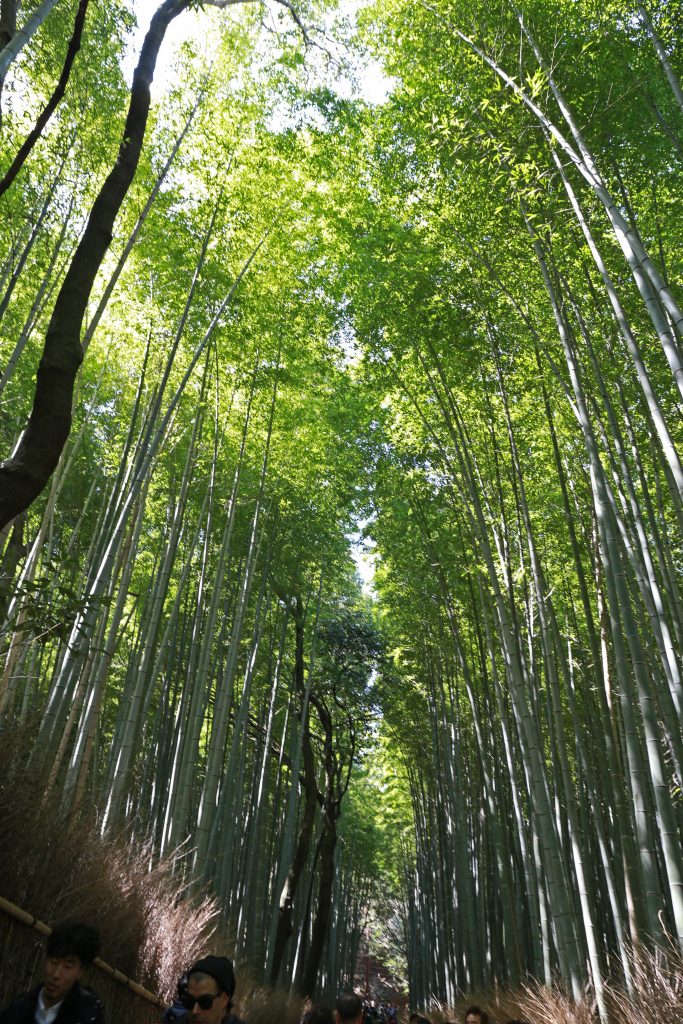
column 205, row 992
column 350, row 1009
column 473, row 1015
column 380, row 1012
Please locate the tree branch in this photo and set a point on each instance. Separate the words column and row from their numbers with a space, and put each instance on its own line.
column 25, row 474
column 49, row 108
column 222, row 4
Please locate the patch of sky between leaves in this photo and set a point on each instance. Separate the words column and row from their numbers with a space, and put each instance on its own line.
column 368, row 81
column 363, row 556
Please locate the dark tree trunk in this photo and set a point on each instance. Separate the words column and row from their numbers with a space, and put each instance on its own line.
column 335, row 788
column 26, row 473
column 321, row 923
column 303, row 846
column 14, row 552
column 8, row 21
column 45, row 115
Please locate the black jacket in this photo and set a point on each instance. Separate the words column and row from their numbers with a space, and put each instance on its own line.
column 81, row 1006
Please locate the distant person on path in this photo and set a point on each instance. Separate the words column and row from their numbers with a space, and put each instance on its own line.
column 475, row 1015
column 61, row 999
column 349, row 1009
column 206, row 991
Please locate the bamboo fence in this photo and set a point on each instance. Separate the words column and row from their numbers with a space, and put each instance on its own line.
column 20, row 955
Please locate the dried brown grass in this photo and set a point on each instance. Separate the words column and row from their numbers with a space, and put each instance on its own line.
column 656, row 995
column 54, row 869
column 263, row 1006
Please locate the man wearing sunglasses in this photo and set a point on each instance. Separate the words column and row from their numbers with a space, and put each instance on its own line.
column 206, row 991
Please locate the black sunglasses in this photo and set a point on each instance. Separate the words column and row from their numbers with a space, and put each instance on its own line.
column 204, row 1002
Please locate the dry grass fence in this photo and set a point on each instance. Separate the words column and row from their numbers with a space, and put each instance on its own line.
column 22, row 950
column 53, row 868
column 655, row 997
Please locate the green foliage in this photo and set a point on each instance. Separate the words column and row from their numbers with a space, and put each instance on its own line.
column 336, row 314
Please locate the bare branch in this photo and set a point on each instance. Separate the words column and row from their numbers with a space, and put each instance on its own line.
column 48, row 110
column 222, row 4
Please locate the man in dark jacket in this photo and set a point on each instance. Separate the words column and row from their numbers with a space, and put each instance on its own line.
column 61, row 999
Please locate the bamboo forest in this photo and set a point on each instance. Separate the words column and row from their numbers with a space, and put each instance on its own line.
column 341, row 492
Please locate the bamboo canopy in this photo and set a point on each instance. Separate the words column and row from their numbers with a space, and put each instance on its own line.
column 264, row 329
